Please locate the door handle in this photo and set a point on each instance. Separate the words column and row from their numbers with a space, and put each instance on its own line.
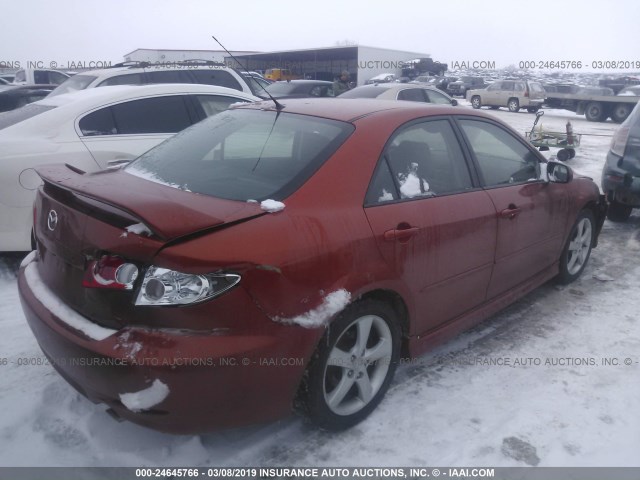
column 510, row 213
column 400, row 234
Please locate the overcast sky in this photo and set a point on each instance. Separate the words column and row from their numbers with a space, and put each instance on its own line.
column 504, row 31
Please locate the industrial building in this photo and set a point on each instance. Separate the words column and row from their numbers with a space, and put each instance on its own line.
column 360, row 61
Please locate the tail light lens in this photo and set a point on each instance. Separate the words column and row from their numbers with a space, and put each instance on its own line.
column 110, row 272
column 162, row 286
column 619, row 141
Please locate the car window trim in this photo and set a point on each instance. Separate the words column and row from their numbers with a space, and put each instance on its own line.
column 472, row 154
column 475, row 181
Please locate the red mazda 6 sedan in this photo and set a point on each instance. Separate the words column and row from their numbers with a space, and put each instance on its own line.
column 287, row 256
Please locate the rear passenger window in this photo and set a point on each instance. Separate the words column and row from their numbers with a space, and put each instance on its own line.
column 412, row 94
column 501, row 157
column 100, row 122
column 152, row 115
column 213, row 76
column 422, row 160
column 149, row 115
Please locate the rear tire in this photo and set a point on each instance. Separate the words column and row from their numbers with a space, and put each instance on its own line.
column 620, row 112
column 513, row 104
column 352, row 367
column 618, row 212
column 575, row 254
column 476, row 102
column 594, row 112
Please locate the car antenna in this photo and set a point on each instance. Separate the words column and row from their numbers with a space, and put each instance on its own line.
column 279, row 106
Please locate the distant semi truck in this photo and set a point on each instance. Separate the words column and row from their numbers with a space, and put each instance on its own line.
column 596, row 104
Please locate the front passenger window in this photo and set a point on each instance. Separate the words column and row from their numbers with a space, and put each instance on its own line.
column 502, row 159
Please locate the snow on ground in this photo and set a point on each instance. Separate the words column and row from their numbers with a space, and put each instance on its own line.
column 449, row 408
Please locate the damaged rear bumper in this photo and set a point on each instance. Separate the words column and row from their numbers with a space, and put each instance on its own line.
column 172, row 380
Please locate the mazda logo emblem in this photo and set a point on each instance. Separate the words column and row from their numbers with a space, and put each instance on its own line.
column 52, row 220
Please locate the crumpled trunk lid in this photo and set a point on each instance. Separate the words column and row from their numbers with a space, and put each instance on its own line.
column 79, row 217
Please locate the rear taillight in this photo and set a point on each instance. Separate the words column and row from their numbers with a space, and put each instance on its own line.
column 619, row 141
column 110, row 272
column 162, row 286
column 526, row 92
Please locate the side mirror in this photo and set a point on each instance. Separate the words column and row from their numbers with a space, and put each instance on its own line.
column 454, row 102
column 543, row 148
column 559, row 172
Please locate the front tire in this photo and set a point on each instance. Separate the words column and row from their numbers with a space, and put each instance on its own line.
column 576, row 252
column 475, row 102
column 353, row 366
column 513, row 104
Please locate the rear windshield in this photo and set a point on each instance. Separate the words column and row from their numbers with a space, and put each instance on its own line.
column 244, row 154
column 15, row 116
column 77, row 82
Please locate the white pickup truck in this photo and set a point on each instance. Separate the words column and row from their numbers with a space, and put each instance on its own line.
column 39, row 76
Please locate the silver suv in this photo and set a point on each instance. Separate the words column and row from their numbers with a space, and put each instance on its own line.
column 142, row 73
column 513, row 94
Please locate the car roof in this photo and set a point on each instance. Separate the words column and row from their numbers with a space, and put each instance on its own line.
column 84, row 98
column 114, row 71
column 302, row 82
column 396, row 86
column 351, row 109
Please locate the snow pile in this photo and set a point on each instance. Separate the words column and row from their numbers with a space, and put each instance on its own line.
column 320, row 316
column 147, row 398
column 138, row 229
column 130, row 348
column 386, row 196
column 271, row 206
column 60, row 309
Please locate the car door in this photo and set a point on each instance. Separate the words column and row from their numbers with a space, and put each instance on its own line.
column 126, row 130
column 490, row 96
column 531, row 212
column 505, row 93
column 433, row 225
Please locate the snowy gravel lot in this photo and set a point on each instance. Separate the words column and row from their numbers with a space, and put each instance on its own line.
column 446, row 409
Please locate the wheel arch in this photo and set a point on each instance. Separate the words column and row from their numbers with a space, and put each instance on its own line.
column 400, row 308
column 599, row 211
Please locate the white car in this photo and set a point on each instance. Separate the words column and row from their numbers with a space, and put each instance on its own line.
column 142, row 73
column 91, row 130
